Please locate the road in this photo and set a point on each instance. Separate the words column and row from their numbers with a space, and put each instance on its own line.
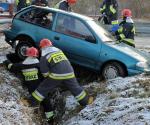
column 142, row 42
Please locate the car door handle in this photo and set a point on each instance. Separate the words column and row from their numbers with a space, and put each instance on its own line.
column 56, row 38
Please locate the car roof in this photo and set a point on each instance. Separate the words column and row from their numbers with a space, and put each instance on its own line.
column 63, row 12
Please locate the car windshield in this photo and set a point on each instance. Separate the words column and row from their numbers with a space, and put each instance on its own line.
column 100, row 31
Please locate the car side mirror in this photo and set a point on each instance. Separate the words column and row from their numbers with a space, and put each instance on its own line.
column 90, row 39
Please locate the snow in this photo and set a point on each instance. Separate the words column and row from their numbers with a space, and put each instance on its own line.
column 125, row 101
column 120, row 109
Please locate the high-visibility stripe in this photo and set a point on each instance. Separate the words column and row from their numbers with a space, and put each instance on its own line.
column 45, row 74
column 9, row 66
column 17, row 1
column 53, row 55
column 122, row 36
column 120, row 29
column 30, row 70
column 81, row 96
column 30, row 74
column 112, row 9
column 62, row 76
column 103, row 8
column 27, row 1
column 114, row 22
column 49, row 114
column 129, row 41
column 58, row 4
column 38, row 96
column 133, row 30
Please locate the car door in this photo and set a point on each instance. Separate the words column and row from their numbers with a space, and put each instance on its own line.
column 76, row 39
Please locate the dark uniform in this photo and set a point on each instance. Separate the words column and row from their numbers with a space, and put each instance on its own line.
column 58, row 72
column 29, row 70
column 63, row 5
column 109, row 8
column 22, row 4
column 40, row 2
column 126, row 32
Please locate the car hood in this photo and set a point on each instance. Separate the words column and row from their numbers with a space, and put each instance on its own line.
column 134, row 52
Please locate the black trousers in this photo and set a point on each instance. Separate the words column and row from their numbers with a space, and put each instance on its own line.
column 46, row 102
column 72, row 85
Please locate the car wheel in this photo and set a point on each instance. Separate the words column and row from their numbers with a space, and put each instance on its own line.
column 113, row 70
column 21, row 47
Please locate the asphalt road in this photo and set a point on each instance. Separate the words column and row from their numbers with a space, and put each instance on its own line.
column 142, row 42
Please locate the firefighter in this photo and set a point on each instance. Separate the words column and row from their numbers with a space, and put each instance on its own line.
column 40, row 2
column 58, row 72
column 22, row 4
column 109, row 10
column 29, row 69
column 11, row 7
column 65, row 4
column 126, row 30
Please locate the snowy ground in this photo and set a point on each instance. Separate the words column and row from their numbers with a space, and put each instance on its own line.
column 121, row 101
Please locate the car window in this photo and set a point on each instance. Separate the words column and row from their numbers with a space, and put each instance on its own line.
column 39, row 17
column 73, row 27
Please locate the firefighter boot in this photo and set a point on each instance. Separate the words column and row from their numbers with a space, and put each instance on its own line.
column 90, row 100
column 30, row 102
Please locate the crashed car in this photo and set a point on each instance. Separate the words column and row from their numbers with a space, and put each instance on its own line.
column 84, row 41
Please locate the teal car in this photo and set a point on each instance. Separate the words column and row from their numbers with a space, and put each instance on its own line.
column 84, row 41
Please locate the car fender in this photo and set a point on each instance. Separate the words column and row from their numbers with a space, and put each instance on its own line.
column 23, row 35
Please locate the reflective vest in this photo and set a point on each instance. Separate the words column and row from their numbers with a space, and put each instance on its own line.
column 126, row 32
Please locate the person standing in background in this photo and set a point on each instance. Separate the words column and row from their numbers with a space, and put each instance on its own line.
column 65, row 5
column 11, row 7
column 40, row 2
column 22, row 4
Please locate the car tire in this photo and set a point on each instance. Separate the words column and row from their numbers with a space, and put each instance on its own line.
column 21, row 47
column 112, row 70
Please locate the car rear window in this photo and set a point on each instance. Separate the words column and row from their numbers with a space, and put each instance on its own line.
column 40, row 17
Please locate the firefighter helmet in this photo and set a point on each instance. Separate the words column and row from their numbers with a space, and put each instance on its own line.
column 126, row 13
column 71, row 1
column 32, row 52
column 45, row 43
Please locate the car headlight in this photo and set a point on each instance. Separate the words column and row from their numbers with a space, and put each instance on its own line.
column 142, row 65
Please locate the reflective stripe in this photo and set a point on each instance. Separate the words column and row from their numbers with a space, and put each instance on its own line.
column 38, row 96
column 133, row 30
column 122, row 36
column 114, row 22
column 81, row 96
column 30, row 74
column 57, row 57
column 49, row 114
column 27, row 1
column 112, row 9
column 9, row 66
column 120, row 29
column 129, row 41
column 58, row 4
column 103, row 8
column 29, row 70
column 62, row 76
column 45, row 74
column 17, row 1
